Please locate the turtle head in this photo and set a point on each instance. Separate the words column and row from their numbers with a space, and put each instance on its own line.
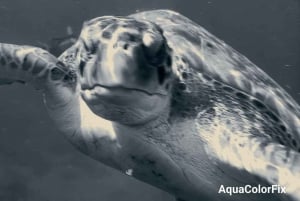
column 125, row 69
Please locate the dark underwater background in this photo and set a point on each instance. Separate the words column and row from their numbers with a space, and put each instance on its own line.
column 38, row 164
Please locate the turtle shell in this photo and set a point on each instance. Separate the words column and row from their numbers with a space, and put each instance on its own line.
column 200, row 58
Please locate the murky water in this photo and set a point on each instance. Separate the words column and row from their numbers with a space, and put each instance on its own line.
column 37, row 164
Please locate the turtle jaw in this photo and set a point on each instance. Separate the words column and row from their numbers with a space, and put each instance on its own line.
column 118, row 94
column 126, row 90
column 123, row 105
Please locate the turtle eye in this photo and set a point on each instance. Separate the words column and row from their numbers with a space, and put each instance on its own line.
column 157, row 57
column 93, row 49
column 90, row 48
column 81, row 67
column 161, row 74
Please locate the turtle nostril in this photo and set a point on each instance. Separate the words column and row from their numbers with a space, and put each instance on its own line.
column 125, row 46
column 121, row 44
column 106, row 34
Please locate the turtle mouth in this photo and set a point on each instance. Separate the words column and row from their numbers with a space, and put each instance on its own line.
column 122, row 104
column 102, row 90
column 101, row 97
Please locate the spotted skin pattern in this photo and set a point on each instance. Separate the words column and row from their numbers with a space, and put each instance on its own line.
column 29, row 64
column 225, row 121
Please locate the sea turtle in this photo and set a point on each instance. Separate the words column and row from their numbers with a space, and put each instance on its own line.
column 156, row 96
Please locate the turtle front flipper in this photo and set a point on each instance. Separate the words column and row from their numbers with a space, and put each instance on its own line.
column 28, row 64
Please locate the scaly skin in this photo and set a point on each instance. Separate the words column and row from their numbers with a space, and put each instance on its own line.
column 28, row 64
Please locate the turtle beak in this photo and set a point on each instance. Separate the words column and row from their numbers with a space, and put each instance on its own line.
column 131, row 62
